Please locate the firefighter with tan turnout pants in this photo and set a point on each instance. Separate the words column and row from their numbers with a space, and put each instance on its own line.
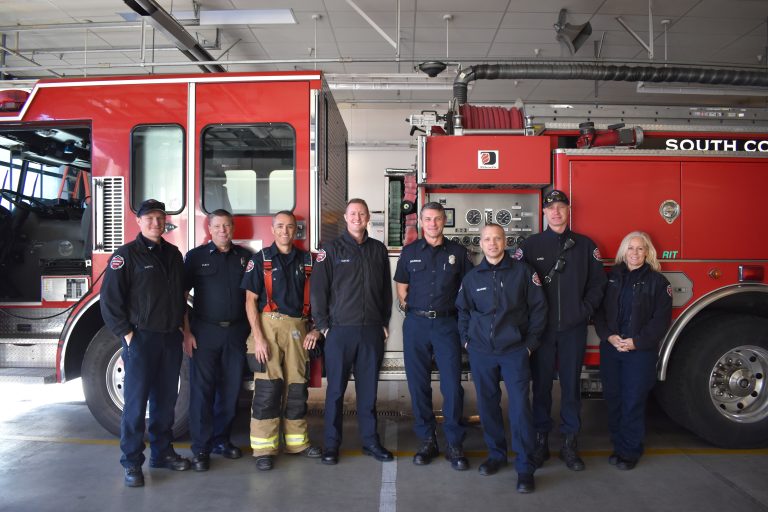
column 276, row 281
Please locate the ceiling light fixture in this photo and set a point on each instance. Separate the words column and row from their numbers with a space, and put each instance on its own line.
column 248, row 17
column 653, row 88
column 229, row 16
column 393, row 82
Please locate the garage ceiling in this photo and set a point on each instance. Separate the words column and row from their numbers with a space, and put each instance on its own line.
column 102, row 37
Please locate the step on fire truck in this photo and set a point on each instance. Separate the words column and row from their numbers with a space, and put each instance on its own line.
column 78, row 156
column 693, row 178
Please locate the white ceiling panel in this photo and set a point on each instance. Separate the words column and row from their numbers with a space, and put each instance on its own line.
column 549, row 50
column 697, row 25
column 529, row 20
column 484, row 20
column 669, row 8
column 741, row 9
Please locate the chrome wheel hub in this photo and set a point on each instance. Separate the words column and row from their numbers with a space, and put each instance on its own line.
column 737, row 384
column 115, row 377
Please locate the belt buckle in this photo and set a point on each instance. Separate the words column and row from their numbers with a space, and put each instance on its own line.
column 225, row 324
column 432, row 314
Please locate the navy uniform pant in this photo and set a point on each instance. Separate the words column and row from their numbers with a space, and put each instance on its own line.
column 215, row 379
column 152, row 363
column 562, row 351
column 439, row 337
column 513, row 368
column 627, row 378
column 358, row 349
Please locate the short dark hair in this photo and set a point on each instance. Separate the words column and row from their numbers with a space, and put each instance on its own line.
column 493, row 225
column 284, row 212
column 221, row 212
column 432, row 205
column 357, row 200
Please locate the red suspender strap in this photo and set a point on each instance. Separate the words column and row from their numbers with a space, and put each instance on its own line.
column 307, row 273
column 270, row 306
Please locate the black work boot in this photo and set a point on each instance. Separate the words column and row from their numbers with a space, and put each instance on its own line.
column 455, row 455
column 569, row 453
column 427, row 452
column 541, row 449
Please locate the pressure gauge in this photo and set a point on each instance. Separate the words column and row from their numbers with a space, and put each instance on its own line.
column 503, row 217
column 473, row 217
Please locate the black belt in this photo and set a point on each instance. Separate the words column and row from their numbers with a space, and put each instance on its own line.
column 431, row 314
column 227, row 323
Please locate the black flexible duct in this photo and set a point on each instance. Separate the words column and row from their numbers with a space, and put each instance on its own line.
column 565, row 71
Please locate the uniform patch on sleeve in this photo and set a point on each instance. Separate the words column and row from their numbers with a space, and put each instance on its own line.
column 320, row 257
column 117, row 262
column 535, row 279
column 669, row 290
column 596, row 254
column 250, row 266
column 518, row 254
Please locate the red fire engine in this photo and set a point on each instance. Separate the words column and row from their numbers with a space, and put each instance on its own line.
column 78, row 156
column 690, row 177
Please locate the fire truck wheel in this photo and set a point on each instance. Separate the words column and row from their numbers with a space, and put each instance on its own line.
column 716, row 385
column 103, row 384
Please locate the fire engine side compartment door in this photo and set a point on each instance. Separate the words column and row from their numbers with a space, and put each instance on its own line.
column 721, row 208
column 254, row 151
column 612, row 196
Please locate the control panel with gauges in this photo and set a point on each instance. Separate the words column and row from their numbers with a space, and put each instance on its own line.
column 468, row 212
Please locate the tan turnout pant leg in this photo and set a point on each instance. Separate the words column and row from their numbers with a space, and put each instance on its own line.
column 280, row 391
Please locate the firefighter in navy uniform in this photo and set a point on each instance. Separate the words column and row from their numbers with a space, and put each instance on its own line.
column 428, row 277
column 351, row 305
column 631, row 323
column 143, row 303
column 572, row 273
column 216, row 345
column 277, row 303
column 502, row 314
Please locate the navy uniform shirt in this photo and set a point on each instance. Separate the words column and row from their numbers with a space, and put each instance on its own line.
column 433, row 274
column 644, row 315
column 501, row 307
column 574, row 294
column 288, row 279
column 352, row 284
column 216, row 277
column 143, row 288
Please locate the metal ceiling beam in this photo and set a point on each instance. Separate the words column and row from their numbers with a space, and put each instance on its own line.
column 373, row 24
column 17, row 54
column 177, row 34
column 81, row 26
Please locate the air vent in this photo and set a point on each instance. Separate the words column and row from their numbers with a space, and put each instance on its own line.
column 109, row 199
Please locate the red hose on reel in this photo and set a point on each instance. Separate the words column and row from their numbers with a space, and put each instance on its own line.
column 491, row 117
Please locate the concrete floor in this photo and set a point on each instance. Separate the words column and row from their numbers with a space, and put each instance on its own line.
column 55, row 457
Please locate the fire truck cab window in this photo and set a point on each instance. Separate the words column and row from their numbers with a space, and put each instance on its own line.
column 45, row 218
column 157, row 166
column 249, row 169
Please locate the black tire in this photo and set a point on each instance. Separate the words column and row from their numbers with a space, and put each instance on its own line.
column 716, row 382
column 102, row 384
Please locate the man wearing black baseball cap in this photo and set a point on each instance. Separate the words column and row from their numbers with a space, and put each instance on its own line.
column 143, row 304
column 571, row 269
